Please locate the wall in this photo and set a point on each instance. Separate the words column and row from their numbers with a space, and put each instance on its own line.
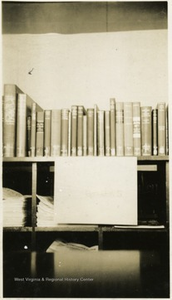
column 88, row 68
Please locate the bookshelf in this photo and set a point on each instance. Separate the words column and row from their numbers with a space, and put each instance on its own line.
column 39, row 165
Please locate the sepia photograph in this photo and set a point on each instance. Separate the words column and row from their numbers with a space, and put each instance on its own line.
column 85, row 135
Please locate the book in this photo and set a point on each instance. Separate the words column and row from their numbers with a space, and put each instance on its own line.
column 113, row 126
column 128, row 129
column 81, row 112
column 47, row 132
column 9, row 123
column 167, row 131
column 21, row 126
column 33, row 130
column 40, row 133
column 64, row 132
column 90, row 131
column 146, row 130
column 101, row 130
column 161, row 128
column 85, row 135
column 28, row 136
column 96, row 109
column 155, row 132
column 56, row 132
column 119, row 128
column 74, row 121
column 69, row 135
column 136, row 129
column 107, row 133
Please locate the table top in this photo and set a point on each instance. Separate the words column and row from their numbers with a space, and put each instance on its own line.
column 87, row 274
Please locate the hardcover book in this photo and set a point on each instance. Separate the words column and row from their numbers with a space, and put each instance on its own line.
column 47, row 133
column 65, row 130
column 119, row 128
column 40, row 133
column 56, row 132
column 28, row 135
column 74, row 121
column 9, row 120
column 96, row 109
column 33, row 129
column 155, row 132
column 85, row 135
column 128, row 129
column 90, row 131
column 81, row 112
column 161, row 128
column 107, row 133
column 21, row 126
column 146, row 129
column 136, row 129
column 101, row 130
column 113, row 126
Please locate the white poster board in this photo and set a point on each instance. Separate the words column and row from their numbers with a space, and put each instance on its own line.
column 96, row 190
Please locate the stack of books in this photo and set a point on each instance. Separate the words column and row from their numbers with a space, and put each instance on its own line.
column 14, row 208
column 45, row 211
column 124, row 129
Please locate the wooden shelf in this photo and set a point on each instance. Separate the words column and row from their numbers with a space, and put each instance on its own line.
column 52, row 159
column 78, row 228
column 17, row 229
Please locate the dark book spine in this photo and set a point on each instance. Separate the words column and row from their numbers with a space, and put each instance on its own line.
column 74, row 116
column 40, row 134
column 96, row 109
column 113, row 126
column 47, row 133
column 65, row 130
column 69, row 135
column 155, row 132
column 120, row 129
column 107, row 133
column 9, row 130
column 136, row 129
column 90, row 131
column 56, row 132
column 161, row 128
column 146, row 130
column 128, row 129
column 101, row 129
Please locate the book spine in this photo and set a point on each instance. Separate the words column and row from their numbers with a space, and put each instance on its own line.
column 21, row 126
column 64, row 134
column 101, row 129
column 74, row 116
column 128, row 129
column 167, row 131
column 85, row 135
column 120, row 129
column 113, row 126
column 47, row 133
column 96, row 109
column 146, row 129
column 155, row 132
column 80, row 131
column 136, row 129
column 90, row 131
column 33, row 130
column 9, row 120
column 28, row 134
column 161, row 128
column 56, row 132
column 107, row 133
column 40, row 134
column 69, row 135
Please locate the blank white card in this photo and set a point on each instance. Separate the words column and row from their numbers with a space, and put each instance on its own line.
column 96, row 190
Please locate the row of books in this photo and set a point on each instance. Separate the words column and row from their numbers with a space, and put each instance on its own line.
column 126, row 129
